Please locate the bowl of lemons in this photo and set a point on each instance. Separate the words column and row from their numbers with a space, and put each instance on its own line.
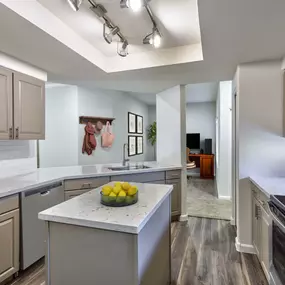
column 120, row 194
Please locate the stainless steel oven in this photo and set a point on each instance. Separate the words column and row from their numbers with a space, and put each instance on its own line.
column 277, row 267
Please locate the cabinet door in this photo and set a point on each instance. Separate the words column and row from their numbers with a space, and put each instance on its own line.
column 9, row 244
column 256, row 229
column 29, row 107
column 206, row 167
column 265, row 225
column 6, row 114
column 175, row 196
column 71, row 194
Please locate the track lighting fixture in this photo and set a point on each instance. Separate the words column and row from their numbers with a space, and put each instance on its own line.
column 75, row 4
column 153, row 39
column 109, row 36
column 122, row 48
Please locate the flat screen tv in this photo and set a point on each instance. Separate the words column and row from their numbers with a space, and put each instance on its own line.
column 193, row 141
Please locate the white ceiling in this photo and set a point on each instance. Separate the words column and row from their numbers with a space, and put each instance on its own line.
column 177, row 20
column 195, row 93
column 232, row 32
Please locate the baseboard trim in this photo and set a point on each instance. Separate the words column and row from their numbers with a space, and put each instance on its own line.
column 224, row 197
column 246, row 248
column 183, row 218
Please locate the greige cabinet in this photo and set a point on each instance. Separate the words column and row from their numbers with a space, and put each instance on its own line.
column 71, row 194
column 175, row 196
column 261, row 224
column 9, row 238
column 22, row 106
column 29, row 107
column 256, row 229
column 6, row 100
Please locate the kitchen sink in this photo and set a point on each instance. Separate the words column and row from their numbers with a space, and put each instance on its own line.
column 120, row 168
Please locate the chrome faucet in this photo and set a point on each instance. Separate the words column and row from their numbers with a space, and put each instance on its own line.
column 125, row 160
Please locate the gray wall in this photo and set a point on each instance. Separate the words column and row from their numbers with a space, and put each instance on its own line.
column 201, row 118
column 110, row 104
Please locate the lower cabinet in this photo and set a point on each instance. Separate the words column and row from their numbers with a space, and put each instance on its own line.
column 175, row 196
column 9, row 244
column 71, row 194
column 260, row 229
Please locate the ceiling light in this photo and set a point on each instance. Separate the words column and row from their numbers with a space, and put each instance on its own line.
column 135, row 5
column 123, row 48
column 75, row 4
column 109, row 36
column 156, row 39
column 153, row 39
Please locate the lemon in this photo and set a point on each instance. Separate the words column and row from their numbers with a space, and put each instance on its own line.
column 117, row 190
column 118, row 184
column 126, row 186
column 133, row 190
column 122, row 194
column 106, row 190
column 129, row 199
column 112, row 197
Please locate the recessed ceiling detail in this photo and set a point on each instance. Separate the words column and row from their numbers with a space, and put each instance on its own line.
column 82, row 32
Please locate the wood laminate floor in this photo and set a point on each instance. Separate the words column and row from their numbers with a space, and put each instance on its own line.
column 203, row 253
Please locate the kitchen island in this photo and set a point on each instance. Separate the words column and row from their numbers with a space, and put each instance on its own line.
column 89, row 243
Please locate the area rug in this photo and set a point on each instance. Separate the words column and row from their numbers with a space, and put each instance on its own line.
column 202, row 200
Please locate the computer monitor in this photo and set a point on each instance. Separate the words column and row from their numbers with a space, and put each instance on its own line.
column 193, row 141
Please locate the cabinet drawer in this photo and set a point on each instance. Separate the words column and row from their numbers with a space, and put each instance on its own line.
column 71, row 194
column 9, row 204
column 173, row 174
column 80, row 184
column 140, row 178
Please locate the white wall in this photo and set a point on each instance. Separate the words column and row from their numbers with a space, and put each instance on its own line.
column 224, row 140
column 171, row 134
column 201, row 118
column 60, row 148
column 261, row 145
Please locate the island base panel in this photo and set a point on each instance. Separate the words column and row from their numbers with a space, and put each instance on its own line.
column 81, row 255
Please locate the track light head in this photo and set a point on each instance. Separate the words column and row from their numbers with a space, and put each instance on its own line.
column 135, row 5
column 75, row 4
column 153, row 39
column 122, row 48
column 109, row 36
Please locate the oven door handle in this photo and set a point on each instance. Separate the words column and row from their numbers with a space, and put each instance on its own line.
column 277, row 221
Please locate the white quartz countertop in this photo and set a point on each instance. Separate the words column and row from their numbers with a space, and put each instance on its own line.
column 87, row 211
column 45, row 176
column 270, row 185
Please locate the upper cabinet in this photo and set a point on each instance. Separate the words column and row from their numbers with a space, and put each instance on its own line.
column 22, row 106
column 6, row 104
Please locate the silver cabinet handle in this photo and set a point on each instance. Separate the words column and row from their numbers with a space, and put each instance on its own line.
column 17, row 132
column 86, row 185
column 45, row 193
column 10, row 133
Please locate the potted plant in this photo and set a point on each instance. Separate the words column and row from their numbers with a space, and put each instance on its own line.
column 151, row 135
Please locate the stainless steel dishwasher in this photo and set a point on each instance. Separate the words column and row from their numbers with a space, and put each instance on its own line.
column 32, row 229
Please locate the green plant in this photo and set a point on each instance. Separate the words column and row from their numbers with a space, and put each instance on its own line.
column 151, row 133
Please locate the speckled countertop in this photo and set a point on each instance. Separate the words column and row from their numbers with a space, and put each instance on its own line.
column 45, row 176
column 270, row 185
column 86, row 210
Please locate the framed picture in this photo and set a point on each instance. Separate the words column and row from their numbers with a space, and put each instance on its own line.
column 132, row 123
column 139, row 144
column 132, row 145
column 139, row 124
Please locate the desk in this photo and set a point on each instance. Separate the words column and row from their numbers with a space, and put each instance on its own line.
column 206, row 164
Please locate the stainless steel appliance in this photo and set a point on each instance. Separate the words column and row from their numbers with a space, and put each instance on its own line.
column 33, row 229
column 277, row 267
